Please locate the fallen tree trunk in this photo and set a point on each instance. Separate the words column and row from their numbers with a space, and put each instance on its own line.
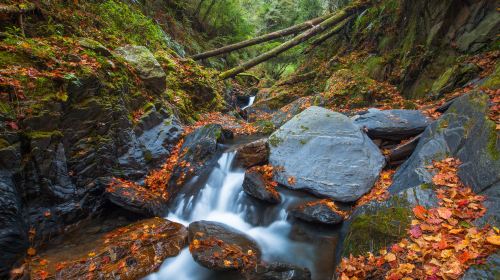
column 16, row 9
column 318, row 41
column 264, row 38
column 335, row 19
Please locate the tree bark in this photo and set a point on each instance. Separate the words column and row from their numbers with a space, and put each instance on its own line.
column 335, row 19
column 264, row 38
column 325, row 36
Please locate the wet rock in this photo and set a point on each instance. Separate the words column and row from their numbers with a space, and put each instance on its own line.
column 219, row 247
column 377, row 225
column 320, row 211
column 13, row 229
column 150, row 143
column 254, row 153
column 278, row 271
column 146, row 65
column 199, row 151
column 137, row 199
column 319, row 140
column 465, row 132
column 255, row 186
column 392, row 124
column 131, row 252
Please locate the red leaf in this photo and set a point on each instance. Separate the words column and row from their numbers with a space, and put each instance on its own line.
column 416, row 231
column 13, row 125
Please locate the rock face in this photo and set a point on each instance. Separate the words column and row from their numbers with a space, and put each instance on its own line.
column 317, row 212
column 199, row 151
column 131, row 252
column 254, row 153
column 279, row 271
column 319, row 140
column 255, row 186
column 377, row 225
column 219, row 247
column 13, row 230
column 147, row 67
column 392, row 124
column 489, row 270
column 465, row 132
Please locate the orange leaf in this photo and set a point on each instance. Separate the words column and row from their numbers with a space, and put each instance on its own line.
column 444, row 212
column 420, row 212
column 31, row 251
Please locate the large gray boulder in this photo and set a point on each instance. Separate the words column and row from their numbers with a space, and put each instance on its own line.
column 392, row 124
column 146, row 65
column 324, row 153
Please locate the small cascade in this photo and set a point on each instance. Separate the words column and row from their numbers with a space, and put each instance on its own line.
column 222, row 199
column 250, row 102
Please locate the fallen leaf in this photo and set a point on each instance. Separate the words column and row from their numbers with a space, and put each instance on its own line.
column 494, row 239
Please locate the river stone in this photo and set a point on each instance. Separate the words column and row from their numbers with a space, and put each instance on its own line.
column 325, row 154
column 255, row 186
column 220, row 247
column 465, row 132
column 377, row 225
column 316, row 212
column 130, row 252
column 278, row 271
column 254, row 153
column 392, row 124
column 290, row 110
column 489, row 270
column 136, row 199
column 146, row 65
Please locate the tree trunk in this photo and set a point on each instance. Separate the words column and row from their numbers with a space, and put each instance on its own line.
column 209, row 9
column 325, row 36
column 264, row 38
column 335, row 19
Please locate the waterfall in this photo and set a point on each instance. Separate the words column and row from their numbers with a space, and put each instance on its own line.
column 221, row 199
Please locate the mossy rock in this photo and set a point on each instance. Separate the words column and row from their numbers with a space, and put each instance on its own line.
column 377, row 225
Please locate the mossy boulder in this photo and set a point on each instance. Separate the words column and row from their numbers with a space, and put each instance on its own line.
column 146, row 65
column 95, row 46
column 377, row 225
column 464, row 131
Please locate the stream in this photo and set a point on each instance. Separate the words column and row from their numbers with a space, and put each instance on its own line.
column 219, row 197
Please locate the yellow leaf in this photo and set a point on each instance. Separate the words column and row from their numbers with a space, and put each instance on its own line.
column 494, row 239
column 390, row 257
column 227, row 263
column 445, row 254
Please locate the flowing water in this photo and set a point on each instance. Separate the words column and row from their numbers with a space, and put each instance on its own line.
column 251, row 99
column 219, row 197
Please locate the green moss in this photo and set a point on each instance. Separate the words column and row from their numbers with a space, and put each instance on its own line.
column 148, row 156
column 493, row 81
column 378, row 227
column 443, row 80
column 492, row 141
column 265, row 126
column 275, row 140
column 44, row 134
column 3, row 143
